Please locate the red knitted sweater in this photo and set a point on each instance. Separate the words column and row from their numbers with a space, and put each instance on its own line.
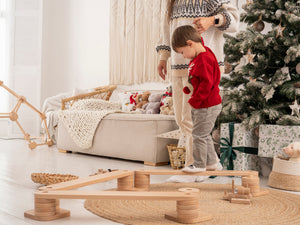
column 204, row 74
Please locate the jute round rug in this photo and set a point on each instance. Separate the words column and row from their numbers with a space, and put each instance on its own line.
column 275, row 208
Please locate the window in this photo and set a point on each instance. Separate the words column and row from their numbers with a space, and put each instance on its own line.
column 4, row 56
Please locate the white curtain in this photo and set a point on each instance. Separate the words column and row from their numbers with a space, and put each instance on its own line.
column 4, row 50
column 134, row 32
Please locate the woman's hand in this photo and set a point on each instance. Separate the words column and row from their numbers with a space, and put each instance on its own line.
column 162, row 69
column 203, row 23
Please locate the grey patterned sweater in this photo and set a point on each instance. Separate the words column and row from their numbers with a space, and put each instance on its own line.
column 184, row 12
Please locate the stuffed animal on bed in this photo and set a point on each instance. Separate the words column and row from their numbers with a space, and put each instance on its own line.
column 167, row 108
column 293, row 151
column 141, row 100
column 153, row 106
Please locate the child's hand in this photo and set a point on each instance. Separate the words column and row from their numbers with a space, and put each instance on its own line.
column 203, row 23
column 162, row 69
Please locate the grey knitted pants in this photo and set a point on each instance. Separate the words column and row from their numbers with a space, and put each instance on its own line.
column 203, row 147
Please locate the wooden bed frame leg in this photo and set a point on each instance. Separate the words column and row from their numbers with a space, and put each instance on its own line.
column 125, row 183
column 252, row 182
column 188, row 211
column 141, row 181
column 46, row 210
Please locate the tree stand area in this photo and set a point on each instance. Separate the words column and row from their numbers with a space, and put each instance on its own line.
column 134, row 185
column 13, row 116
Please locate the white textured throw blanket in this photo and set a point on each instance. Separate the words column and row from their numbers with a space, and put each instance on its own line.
column 82, row 119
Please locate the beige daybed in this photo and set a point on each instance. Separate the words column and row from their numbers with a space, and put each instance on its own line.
column 126, row 136
column 123, row 135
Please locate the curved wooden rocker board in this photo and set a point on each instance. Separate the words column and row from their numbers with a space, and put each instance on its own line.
column 133, row 185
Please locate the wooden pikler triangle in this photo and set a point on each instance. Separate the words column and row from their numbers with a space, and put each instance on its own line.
column 13, row 116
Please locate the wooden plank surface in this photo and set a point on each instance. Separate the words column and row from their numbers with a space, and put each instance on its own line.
column 204, row 173
column 125, row 195
column 81, row 182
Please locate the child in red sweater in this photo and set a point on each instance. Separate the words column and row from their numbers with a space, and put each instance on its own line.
column 204, row 75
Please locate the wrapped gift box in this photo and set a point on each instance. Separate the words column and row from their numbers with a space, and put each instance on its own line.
column 239, row 144
column 273, row 138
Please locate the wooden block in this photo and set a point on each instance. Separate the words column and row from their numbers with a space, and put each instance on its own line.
column 61, row 214
column 42, row 200
column 240, row 201
column 188, row 207
column 201, row 218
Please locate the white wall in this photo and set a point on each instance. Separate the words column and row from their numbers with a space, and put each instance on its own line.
column 75, row 45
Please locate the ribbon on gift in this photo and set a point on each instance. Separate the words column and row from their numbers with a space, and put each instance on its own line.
column 227, row 149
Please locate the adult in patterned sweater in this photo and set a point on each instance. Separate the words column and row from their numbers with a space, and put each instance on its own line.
column 211, row 18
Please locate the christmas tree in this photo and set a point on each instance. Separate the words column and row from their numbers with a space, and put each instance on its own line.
column 263, row 86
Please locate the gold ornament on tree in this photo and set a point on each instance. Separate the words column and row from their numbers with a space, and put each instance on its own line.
column 249, row 57
column 279, row 30
column 259, row 25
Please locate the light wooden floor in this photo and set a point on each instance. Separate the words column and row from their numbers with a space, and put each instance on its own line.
column 17, row 162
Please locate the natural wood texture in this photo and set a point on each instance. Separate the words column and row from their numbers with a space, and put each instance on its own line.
column 187, row 200
column 47, row 206
column 125, row 183
column 156, row 164
column 239, row 195
column 125, row 195
column 205, row 173
column 100, row 92
column 13, row 116
column 188, row 211
column 31, row 214
column 81, row 182
column 249, row 177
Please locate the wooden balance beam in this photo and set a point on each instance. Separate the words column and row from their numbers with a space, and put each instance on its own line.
column 46, row 200
column 48, row 209
column 187, row 200
column 125, row 181
column 250, row 178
